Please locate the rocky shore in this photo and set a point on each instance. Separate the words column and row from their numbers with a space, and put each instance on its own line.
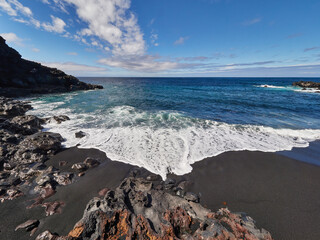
column 307, row 84
column 20, row 77
column 142, row 207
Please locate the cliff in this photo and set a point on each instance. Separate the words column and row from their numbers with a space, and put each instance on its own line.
column 20, row 77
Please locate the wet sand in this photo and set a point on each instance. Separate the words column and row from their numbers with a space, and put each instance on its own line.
column 280, row 193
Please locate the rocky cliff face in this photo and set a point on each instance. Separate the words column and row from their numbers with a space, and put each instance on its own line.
column 20, row 77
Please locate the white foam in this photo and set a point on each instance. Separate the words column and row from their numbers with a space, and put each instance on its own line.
column 290, row 88
column 165, row 142
column 271, row 86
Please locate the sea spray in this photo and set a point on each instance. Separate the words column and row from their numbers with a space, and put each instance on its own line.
column 163, row 141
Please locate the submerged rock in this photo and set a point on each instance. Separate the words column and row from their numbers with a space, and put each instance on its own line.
column 80, row 134
column 57, row 119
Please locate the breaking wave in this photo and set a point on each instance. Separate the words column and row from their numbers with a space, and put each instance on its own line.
column 165, row 141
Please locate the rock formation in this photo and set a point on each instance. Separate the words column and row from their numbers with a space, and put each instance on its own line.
column 307, row 84
column 20, row 77
column 138, row 209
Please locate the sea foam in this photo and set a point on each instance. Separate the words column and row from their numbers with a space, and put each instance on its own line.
column 165, row 142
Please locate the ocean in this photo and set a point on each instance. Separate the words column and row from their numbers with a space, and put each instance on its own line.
column 167, row 124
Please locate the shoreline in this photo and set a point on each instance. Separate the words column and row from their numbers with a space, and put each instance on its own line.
column 243, row 181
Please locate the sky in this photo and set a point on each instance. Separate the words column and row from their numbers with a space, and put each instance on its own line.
column 167, row 38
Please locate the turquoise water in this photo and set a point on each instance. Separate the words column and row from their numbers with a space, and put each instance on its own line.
column 166, row 124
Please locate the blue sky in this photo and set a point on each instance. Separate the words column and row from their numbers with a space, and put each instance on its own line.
column 167, row 37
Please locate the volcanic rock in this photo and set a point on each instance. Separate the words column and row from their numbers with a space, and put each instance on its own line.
column 57, row 119
column 136, row 210
column 80, row 134
column 28, row 225
column 307, row 84
column 91, row 162
column 20, row 77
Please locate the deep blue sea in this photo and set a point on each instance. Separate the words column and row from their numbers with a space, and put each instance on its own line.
column 166, row 124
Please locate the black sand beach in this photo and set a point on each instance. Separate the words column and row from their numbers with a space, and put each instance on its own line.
column 280, row 193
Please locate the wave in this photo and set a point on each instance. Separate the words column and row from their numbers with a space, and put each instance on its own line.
column 291, row 88
column 271, row 86
column 163, row 141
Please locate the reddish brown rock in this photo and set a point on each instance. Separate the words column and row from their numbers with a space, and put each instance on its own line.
column 53, row 207
column 136, row 210
column 28, row 225
column 103, row 192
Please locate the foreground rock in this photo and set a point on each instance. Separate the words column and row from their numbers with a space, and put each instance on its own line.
column 307, row 84
column 138, row 210
column 20, row 77
column 23, row 151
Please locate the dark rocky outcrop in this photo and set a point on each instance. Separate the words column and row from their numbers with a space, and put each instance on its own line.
column 138, row 210
column 307, row 84
column 20, row 77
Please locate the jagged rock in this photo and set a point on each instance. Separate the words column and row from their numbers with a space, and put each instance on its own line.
column 103, row 192
column 58, row 119
column 154, row 177
column 8, row 166
column 64, row 178
column 136, row 210
column 189, row 196
column 52, row 208
column 47, row 236
column 169, row 183
column 307, row 84
column 62, row 163
column 43, row 179
column 80, row 134
column 79, row 166
column 28, row 225
column 91, row 162
column 11, row 108
column 42, row 142
column 20, row 77
column 4, row 175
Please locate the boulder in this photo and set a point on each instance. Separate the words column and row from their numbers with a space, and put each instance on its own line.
column 80, row 134
column 42, row 142
column 189, row 196
column 28, row 225
column 79, row 167
column 136, row 210
column 91, row 162
column 57, row 119
column 307, row 84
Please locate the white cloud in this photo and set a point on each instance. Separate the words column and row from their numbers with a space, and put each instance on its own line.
column 35, row 49
column 13, row 7
column 74, row 68
column 21, row 8
column 5, row 6
column 181, row 40
column 111, row 21
column 154, row 37
column 57, row 25
column 72, row 53
column 252, row 21
column 12, row 38
column 143, row 63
